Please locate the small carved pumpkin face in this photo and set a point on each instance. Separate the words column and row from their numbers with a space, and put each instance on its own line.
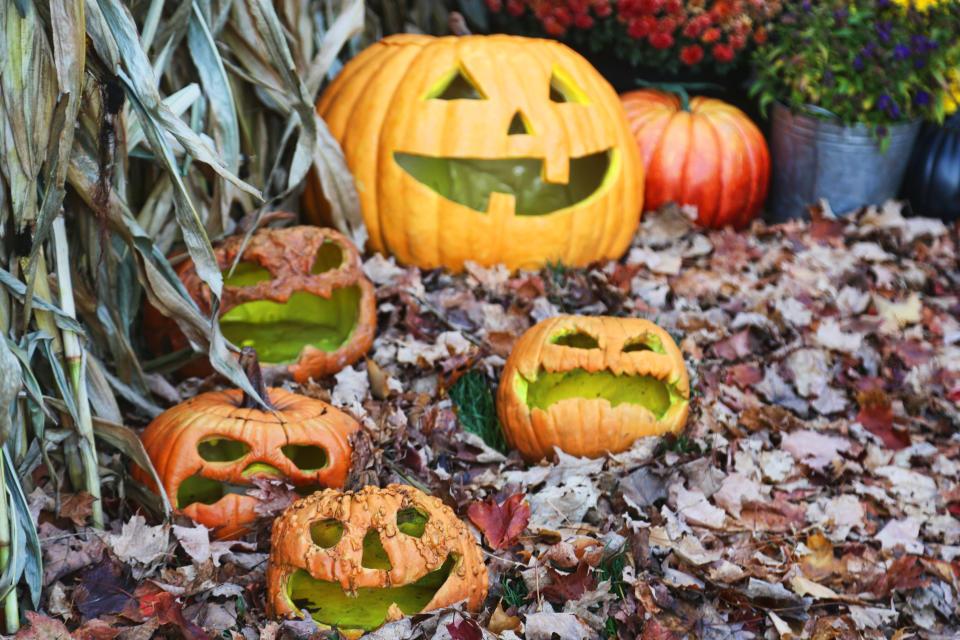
column 208, row 449
column 591, row 386
column 358, row 559
column 297, row 295
column 465, row 148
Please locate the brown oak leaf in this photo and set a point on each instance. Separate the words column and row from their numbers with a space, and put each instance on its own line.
column 501, row 524
column 876, row 416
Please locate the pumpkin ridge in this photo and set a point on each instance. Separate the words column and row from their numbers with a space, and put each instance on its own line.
column 749, row 157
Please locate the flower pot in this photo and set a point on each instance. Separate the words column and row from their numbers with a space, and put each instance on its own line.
column 932, row 181
column 815, row 158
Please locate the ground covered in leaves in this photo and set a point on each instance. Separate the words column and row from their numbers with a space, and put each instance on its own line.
column 814, row 494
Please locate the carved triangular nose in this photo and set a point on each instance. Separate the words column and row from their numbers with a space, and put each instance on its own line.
column 374, row 555
column 518, row 125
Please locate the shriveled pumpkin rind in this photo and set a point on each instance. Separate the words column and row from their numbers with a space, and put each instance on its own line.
column 712, row 156
column 374, row 509
column 378, row 105
column 172, row 438
column 288, row 254
column 584, row 426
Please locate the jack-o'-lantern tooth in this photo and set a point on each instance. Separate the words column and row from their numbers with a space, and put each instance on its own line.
column 397, row 568
column 560, row 388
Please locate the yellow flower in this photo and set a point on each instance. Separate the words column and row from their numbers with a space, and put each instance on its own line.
column 951, row 97
column 923, row 5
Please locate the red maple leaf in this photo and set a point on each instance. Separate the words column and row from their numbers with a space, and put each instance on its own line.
column 569, row 586
column 168, row 609
column 876, row 416
column 501, row 524
column 465, row 629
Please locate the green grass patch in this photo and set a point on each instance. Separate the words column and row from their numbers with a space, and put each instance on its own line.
column 473, row 402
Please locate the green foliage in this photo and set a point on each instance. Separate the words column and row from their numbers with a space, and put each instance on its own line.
column 515, row 590
column 473, row 400
column 611, row 568
column 871, row 62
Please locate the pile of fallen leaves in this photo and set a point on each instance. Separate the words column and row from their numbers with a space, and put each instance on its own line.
column 815, row 493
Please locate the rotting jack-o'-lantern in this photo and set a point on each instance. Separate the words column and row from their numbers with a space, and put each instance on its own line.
column 591, row 386
column 496, row 149
column 355, row 560
column 208, row 449
column 297, row 295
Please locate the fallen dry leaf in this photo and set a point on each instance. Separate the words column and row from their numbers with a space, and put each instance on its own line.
column 501, row 524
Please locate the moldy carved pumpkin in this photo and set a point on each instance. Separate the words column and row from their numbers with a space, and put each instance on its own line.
column 709, row 155
column 591, row 386
column 297, row 295
column 496, row 149
column 207, row 449
column 358, row 559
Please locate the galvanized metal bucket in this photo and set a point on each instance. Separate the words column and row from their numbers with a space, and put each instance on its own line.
column 815, row 158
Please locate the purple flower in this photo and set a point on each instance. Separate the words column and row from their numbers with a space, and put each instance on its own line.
column 919, row 64
column 858, row 63
column 806, row 6
column 885, row 103
column 922, row 98
column 900, row 52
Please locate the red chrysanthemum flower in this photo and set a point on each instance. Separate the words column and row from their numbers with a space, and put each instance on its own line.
column 660, row 40
column 494, row 5
column 641, row 27
column 722, row 52
column 583, row 21
column 602, row 9
column 515, row 7
column 553, row 27
column 691, row 54
column 711, row 35
column 738, row 42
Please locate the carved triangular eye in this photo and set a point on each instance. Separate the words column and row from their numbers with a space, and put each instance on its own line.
column 456, row 85
column 564, row 89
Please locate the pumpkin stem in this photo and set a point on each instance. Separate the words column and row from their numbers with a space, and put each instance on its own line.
column 251, row 367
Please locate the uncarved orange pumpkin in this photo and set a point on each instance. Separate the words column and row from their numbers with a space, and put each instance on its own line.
column 208, row 449
column 496, row 149
column 591, row 386
column 356, row 559
column 711, row 156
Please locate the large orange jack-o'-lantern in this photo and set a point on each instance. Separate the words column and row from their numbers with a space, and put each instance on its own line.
column 486, row 148
column 591, row 386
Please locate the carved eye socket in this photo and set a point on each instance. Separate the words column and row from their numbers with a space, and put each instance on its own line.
column 577, row 340
column 306, row 457
column 330, row 256
column 245, row 274
column 326, row 533
column 222, row 449
column 564, row 89
column 456, row 85
column 412, row 521
column 646, row 342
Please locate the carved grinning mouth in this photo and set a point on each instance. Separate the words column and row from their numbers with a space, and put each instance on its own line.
column 470, row 181
column 551, row 387
column 330, row 605
column 280, row 330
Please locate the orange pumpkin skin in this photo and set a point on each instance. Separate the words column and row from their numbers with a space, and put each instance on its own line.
column 373, row 509
column 172, row 441
column 590, row 426
column 712, row 156
column 382, row 103
column 289, row 255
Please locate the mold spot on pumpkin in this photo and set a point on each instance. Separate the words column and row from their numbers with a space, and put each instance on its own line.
column 367, row 609
column 470, row 181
